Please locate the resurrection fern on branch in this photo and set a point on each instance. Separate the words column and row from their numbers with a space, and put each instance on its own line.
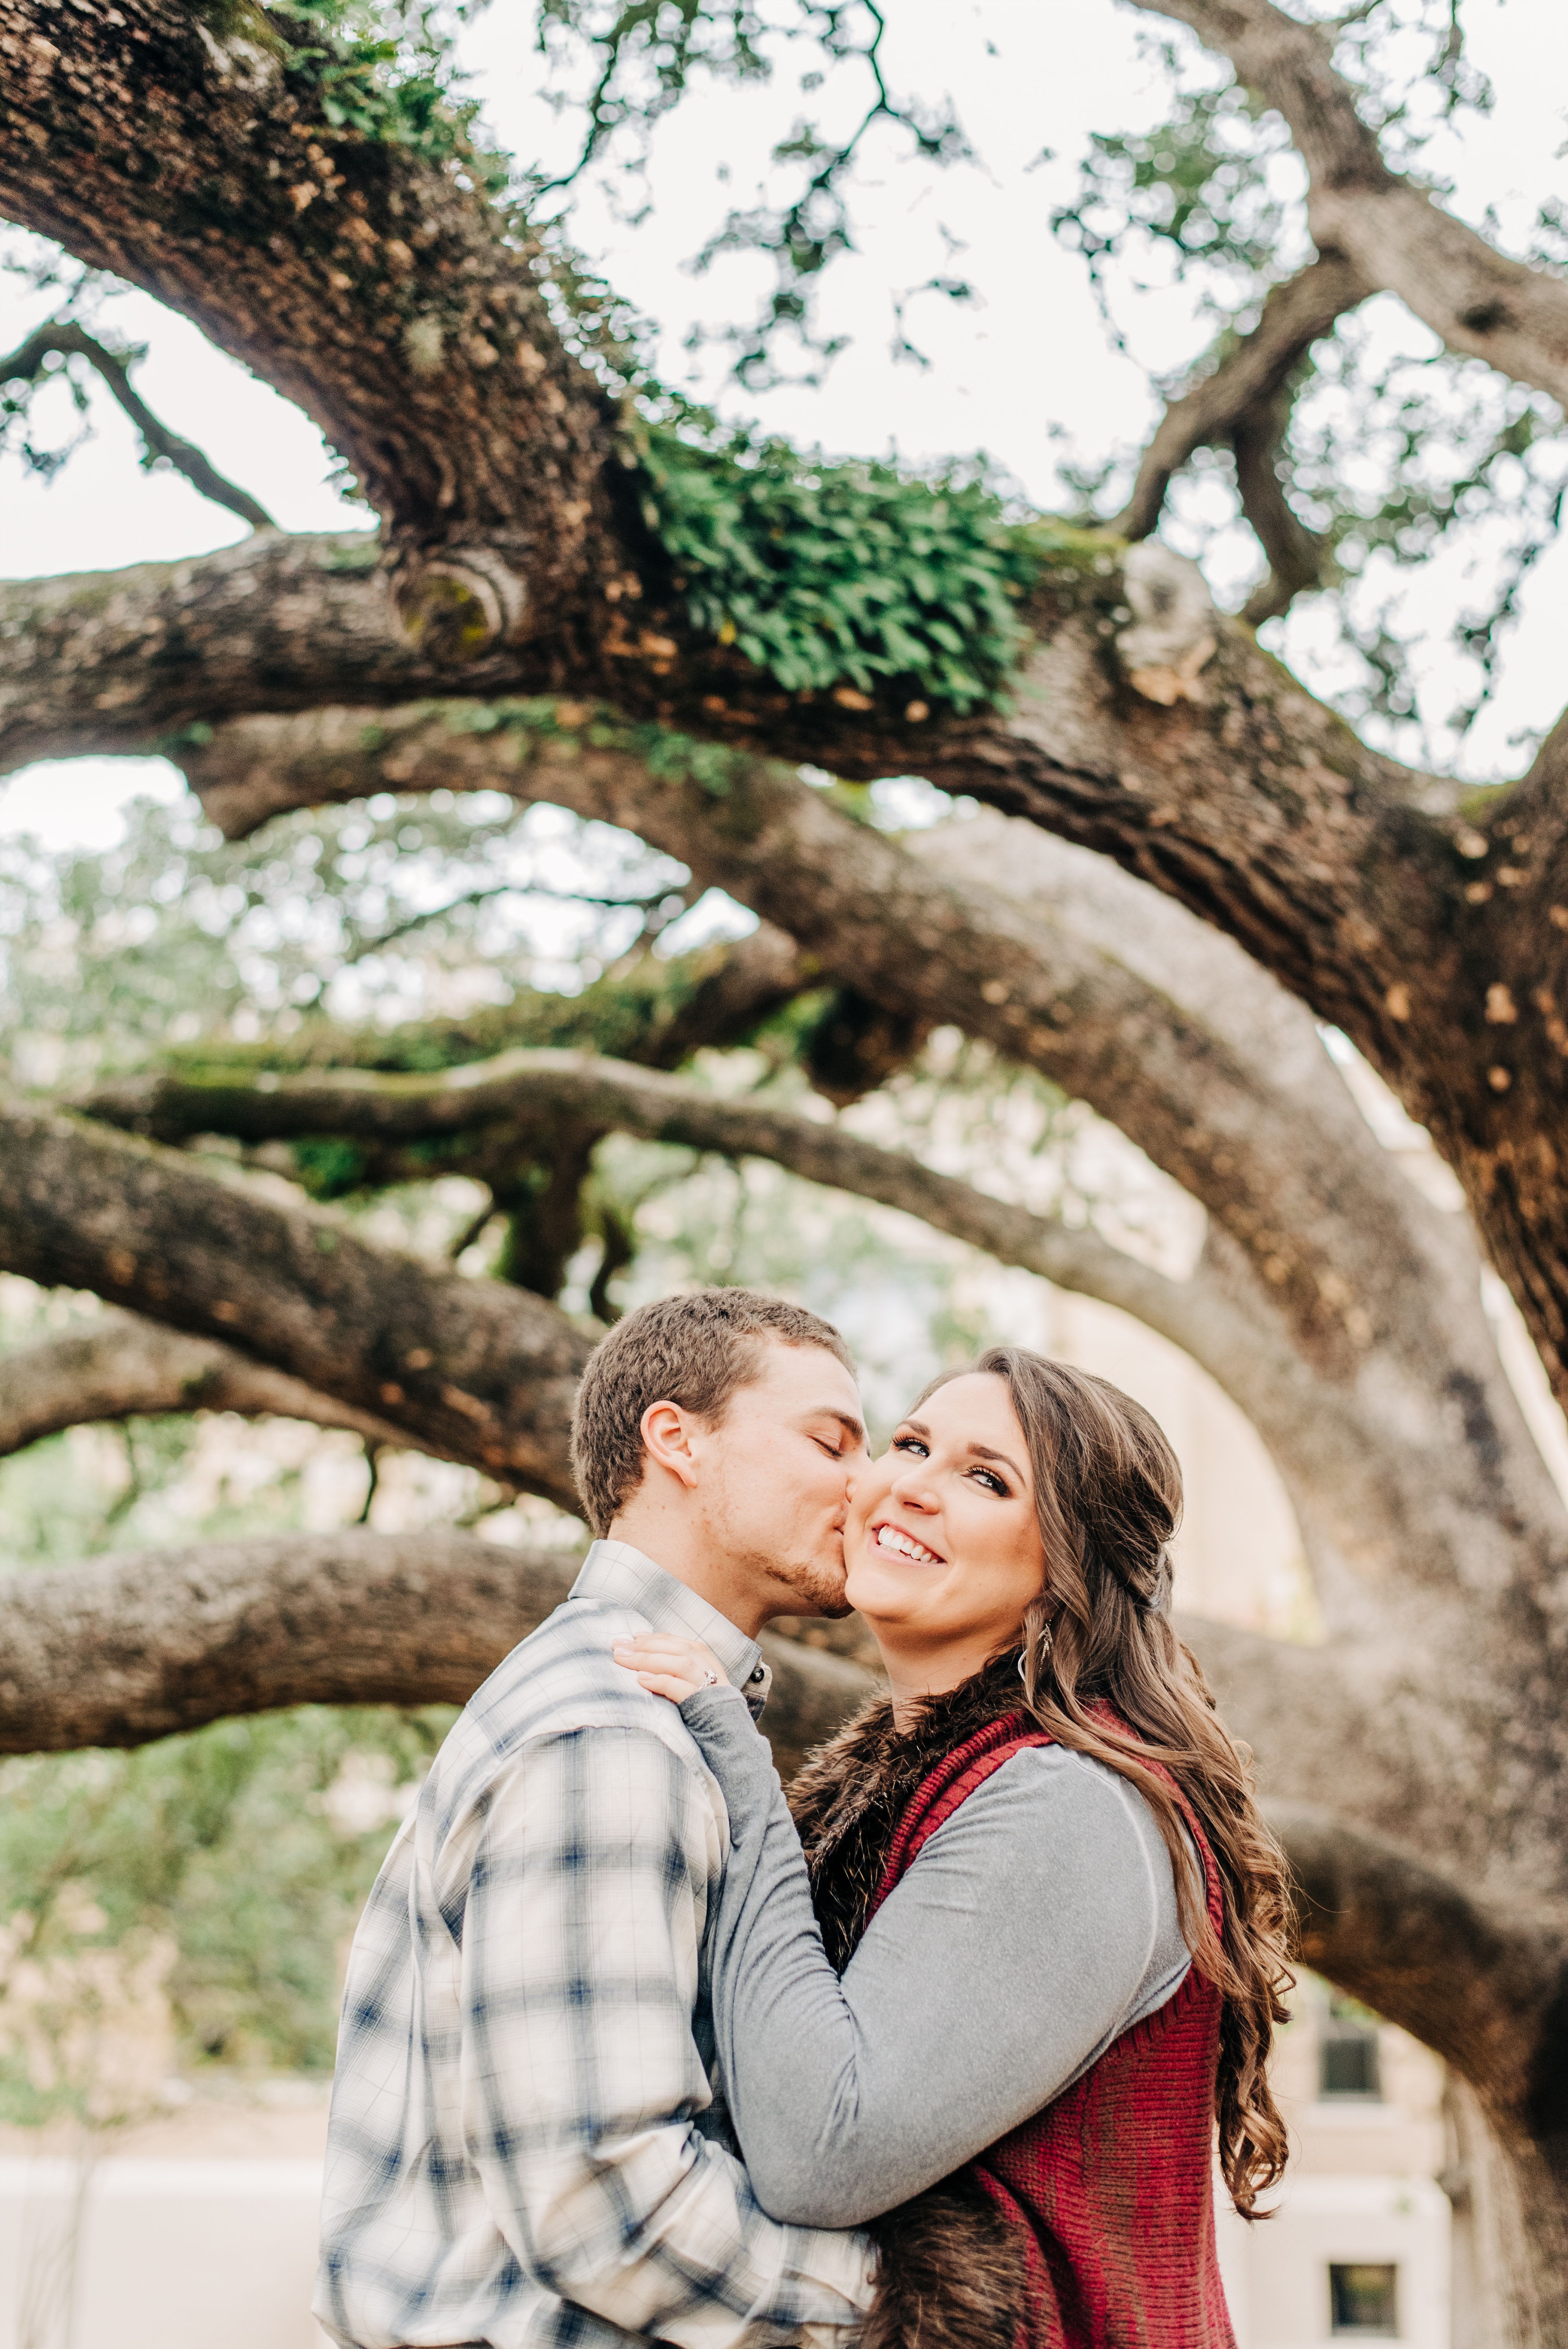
column 841, row 575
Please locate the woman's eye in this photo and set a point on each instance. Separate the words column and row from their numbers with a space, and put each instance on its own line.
column 909, row 1443
column 992, row 1483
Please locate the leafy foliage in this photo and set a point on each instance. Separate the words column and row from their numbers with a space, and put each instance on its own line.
column 831, row 574
column 245, row 1850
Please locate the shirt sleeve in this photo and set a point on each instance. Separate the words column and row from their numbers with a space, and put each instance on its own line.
column 1035, row 1924
column 581, row 1939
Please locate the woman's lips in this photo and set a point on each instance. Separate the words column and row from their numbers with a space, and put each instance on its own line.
column 893, row 1542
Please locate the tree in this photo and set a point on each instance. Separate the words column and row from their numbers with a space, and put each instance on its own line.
column 584, row 593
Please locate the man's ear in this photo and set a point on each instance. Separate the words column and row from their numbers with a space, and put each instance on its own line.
column 667, row 1431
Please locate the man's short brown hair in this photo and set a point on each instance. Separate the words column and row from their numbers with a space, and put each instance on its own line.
column 694, row 1349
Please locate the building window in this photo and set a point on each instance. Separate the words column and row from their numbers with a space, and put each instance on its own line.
column 1361, row 2304
column 1347, row 2052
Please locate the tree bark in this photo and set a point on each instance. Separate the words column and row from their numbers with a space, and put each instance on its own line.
column 486, row 1375
column 525, row 1097
column 180, row 1637
column 121, row 1367
column 381, row 289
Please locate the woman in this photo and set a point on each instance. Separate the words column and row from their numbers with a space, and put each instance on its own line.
column 1039, row 1870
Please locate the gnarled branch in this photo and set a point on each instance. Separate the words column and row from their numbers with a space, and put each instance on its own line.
column 119, row 1366
column 525, row 1095
column 121, row 1651
column 1245, row 383
column 482, row 1373
column 374, row 283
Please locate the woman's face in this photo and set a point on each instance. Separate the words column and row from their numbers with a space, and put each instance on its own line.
column 942, row 1542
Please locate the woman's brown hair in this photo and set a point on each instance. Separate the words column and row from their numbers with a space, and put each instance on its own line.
column 1108, row 1493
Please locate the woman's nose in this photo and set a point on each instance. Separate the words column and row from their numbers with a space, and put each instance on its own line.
column 911, row 1489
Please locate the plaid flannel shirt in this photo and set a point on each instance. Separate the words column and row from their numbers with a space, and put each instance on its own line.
column 525, row 2145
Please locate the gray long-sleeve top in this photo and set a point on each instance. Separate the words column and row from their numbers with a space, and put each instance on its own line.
column 1036, row 1925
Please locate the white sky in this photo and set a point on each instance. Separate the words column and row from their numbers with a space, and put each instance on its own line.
column 1031, row 356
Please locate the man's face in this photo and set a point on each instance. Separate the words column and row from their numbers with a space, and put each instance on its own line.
column 776, row 1473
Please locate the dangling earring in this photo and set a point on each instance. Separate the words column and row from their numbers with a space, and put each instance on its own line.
column 1045, row 1643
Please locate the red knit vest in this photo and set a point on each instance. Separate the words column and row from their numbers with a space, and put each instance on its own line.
column 1112, row 2186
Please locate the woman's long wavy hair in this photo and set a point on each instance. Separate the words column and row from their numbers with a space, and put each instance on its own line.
column 1108, row 1492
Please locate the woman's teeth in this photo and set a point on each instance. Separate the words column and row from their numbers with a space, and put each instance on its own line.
column 904, row 1545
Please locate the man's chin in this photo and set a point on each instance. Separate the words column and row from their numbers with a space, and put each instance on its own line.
column 819, row 1591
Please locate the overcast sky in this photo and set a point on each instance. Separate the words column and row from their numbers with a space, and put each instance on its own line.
column 1030, row 357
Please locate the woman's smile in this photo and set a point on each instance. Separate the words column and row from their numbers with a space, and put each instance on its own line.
column 895, row 1541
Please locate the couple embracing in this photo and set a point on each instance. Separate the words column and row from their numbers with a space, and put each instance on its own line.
column 941, row 2051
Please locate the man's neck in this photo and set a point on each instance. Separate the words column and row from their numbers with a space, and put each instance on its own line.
column 685, row 1553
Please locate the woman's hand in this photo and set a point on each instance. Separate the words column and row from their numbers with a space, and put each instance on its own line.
column 670, row 1667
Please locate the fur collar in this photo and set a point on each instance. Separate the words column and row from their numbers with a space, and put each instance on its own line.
column 852, row 1793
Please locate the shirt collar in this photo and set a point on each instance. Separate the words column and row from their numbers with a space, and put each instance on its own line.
column 619, row 1575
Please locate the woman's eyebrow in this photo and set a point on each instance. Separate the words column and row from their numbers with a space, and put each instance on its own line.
column 983, row 1452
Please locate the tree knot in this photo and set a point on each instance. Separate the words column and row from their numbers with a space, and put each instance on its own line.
column 456, row 606
column 1172, row 632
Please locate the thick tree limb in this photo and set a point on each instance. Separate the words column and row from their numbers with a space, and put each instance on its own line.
column 483, row 1373
column 526, row 1095
column 125, row 1649
column 1218, row 1076
column 1482, row 304
column 165, row 645
column 1246, row 381
column 25, row 364
column 180, row 1637
column 1252, row 803
column 885, row 921
column 382, row 290
column 121, row 1367
column 1461, row 1974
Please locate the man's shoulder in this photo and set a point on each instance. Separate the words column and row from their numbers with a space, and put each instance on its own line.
column 561, row 1680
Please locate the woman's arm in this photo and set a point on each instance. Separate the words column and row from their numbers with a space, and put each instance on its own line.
column 1035, row 1925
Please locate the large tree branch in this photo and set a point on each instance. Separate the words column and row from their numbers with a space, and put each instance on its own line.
column 379, row 286
column 177, row 1638
column 885, row 920
column 1246, row 799
column 524, row 1097
column 655, row 1009
column 124, row 1650
column 1473, row 1979
column 119, row 1366
column 481, row 1372
column 1246, row 381
column 1482, row 304
column 1128, row 1003
column 64, row 336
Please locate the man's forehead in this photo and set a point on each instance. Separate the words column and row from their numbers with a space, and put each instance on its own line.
column 811, row 1376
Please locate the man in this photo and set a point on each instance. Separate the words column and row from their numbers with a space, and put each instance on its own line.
column 525, row 2146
